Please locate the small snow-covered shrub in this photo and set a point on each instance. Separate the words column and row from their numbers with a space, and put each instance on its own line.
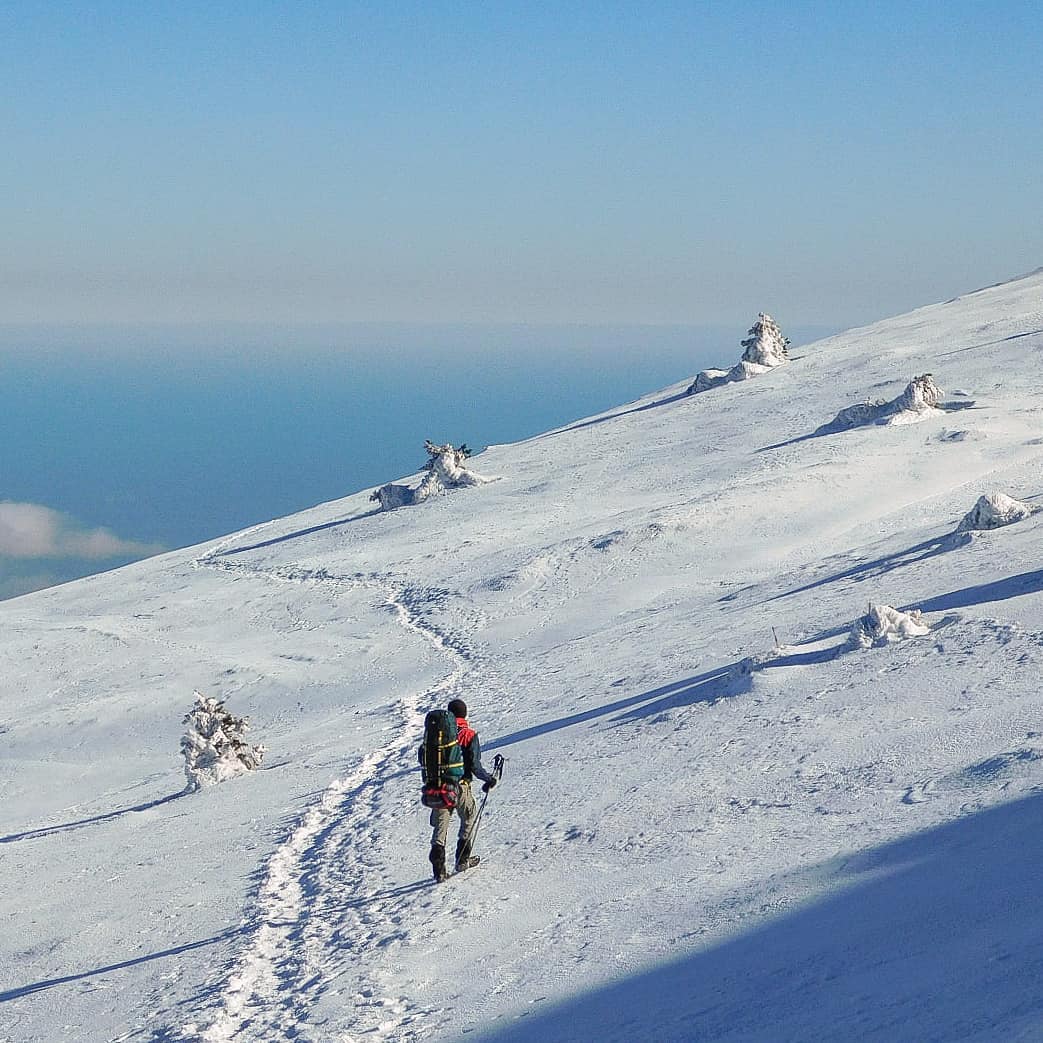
column 214, row 746
column 993, row 511
column 883, row 624
column 920, row 398
column 763, row 350
column 445, row 470
column 920, row 393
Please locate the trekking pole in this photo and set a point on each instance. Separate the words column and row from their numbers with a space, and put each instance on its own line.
column 498, row 763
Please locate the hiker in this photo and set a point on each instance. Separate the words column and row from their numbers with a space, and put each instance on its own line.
column 467, row 738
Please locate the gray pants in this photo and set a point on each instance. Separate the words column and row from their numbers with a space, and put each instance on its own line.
column 440, row 817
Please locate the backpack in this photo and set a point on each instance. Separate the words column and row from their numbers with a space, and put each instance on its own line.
column 441, row 761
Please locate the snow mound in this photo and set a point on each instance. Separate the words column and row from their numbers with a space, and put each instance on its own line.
column 764, row 349
column 993, row 511
column 883, row 624
column 917, row 402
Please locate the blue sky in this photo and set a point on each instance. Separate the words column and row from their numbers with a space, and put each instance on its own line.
column 241, row 241
column 596, row 162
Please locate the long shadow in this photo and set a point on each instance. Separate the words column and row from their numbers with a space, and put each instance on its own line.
column 50, row 983
column 381, row 896
column 833, row 428
column 999, row 590
column 47, row 831
column 880, row 566
column 931, row 938
column 690, row 690
column 990, row 343
column 301, row 532
column 616, row 416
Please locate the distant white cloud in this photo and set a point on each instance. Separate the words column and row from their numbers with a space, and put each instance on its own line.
column 29, row 530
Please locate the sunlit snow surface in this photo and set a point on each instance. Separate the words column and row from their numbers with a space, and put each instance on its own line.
column 720, row 820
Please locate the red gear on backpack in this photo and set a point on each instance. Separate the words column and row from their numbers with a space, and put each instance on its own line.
column 464, row 732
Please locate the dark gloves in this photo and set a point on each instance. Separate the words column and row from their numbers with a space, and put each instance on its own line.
column 489, row 785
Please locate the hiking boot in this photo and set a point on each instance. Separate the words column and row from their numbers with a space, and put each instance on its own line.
column 437, row 857
column 468, row 863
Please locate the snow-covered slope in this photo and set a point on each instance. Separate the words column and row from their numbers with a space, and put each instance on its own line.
column 720, row 818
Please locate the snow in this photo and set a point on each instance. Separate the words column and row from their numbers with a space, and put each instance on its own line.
column 444, row 472
column 993, row 511
column 883, row 624
column 764, row 349
column 718, row 818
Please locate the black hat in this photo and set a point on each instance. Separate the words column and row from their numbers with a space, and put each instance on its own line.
column 458, row 708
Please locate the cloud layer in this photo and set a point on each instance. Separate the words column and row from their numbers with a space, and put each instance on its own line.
column 29, row 530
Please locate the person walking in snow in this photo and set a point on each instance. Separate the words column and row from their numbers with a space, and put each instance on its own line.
column 466, row 808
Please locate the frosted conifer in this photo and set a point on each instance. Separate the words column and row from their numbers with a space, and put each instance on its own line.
column 765, row 345
column 214, row 746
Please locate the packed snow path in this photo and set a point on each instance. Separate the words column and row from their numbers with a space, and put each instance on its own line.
column 325, row 907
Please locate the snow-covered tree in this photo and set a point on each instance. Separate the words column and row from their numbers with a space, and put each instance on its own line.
column 763, row 350
column 444, row 470
column 921, row 394
column 883, row 624
column 214, row 746
column 765, row 345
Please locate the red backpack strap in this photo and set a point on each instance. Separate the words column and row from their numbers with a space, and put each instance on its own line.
column 464, row 732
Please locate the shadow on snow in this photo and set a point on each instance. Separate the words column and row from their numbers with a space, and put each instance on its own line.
column 990, row 343
column 702, row 688
column 47, row 831
column 615, row 416
column 878, row 567
column 275, row 540
column 930, row 938
column 998, row 590
column 50, row 983
column 833, row 428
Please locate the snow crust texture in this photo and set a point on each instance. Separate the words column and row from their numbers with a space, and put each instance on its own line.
column 770, row 711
